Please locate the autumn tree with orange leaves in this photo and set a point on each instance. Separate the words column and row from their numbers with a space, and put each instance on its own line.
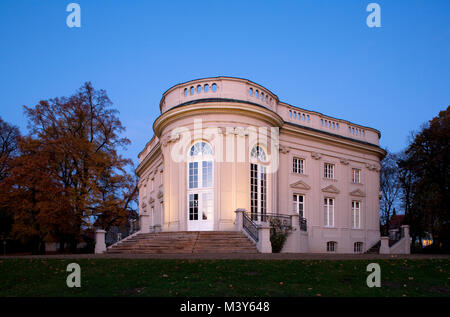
column 69, row 175
column 9, row 135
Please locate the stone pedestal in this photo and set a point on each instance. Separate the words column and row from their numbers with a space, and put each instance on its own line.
column 100, row 245
column 238, row 223
column 384, row 247
column 264, row 245
column 405, row 229
column 291, row 244
column 406, row 236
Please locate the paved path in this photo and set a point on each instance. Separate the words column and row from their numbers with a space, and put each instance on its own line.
column 236, row 256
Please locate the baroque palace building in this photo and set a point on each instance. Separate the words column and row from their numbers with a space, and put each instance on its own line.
column 228, row 155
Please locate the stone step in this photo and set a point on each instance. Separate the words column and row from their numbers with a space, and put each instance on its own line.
column 185, row 242
column 224, row 251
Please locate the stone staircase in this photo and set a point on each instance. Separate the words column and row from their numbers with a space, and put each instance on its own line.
column 375, row 249
column 183, row 242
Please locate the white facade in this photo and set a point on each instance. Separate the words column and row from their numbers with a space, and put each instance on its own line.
column 224, row 143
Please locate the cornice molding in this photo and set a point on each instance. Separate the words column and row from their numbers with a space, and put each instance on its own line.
column 148, row 159
column 203, row 107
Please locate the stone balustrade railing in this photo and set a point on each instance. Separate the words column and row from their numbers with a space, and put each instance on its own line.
column 318, row 121
column 238, row 89
column 219, row 87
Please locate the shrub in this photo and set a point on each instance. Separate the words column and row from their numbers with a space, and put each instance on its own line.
column 278, row 234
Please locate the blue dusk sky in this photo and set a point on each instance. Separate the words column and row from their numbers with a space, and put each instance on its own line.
column 318, row 55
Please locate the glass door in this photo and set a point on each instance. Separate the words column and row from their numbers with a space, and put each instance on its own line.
column 200, row 188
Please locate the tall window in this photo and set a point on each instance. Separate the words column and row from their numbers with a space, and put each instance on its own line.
column 299, row 205
column 331, row 246
column 152, row 214
column 356, row 210
column 200, row 184
column 356, row 176
column 329, row 170
column 253, row 190
column 263, row 190
column 200, row 166
column 328, row 205
column 258, row 183
column 298, row 166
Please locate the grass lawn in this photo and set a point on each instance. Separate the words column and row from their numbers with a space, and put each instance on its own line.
column 149, row 277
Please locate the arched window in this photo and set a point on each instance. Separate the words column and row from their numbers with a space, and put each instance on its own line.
column 206, row 88
column 200, row 148
column 258, row 153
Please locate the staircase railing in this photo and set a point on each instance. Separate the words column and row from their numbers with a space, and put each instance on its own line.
column 250, row 227
column 302, row 223
column 116, row 233
column 286, row 220
column 395, row 236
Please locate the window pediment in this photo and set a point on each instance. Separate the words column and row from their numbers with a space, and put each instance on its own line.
column 300, row 185
column 331, row 189
column 358, row 193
